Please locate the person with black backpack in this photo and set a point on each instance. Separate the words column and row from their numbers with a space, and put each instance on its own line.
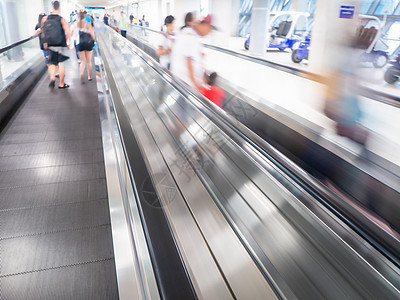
column 55, row 37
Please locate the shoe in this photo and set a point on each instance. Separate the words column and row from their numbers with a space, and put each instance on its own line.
column 57, row 75
column 52, row 84
column 90, row 79
column 79, row 61
column 64, row 87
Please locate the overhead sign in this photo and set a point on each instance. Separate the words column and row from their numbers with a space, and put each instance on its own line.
column 93, row 7
column 346, row 12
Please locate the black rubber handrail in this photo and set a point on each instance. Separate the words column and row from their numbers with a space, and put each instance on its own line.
column 13, row 45
column 378, row 238
column 379, row 96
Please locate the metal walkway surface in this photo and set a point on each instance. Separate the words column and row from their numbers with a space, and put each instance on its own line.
column 55, row 234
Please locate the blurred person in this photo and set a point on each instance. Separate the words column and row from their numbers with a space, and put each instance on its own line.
column 71, row 17
column 143, row 22
column 342, row 103
column 189, row 20
column 105, row 19
column 123, row 24
column 187, row 54
column 74, row 36
column 87, row 17
column 213, row 92
column 85, row 46
column 56, row 37
column 131, row 18
column 38, row 31
column 165, row 45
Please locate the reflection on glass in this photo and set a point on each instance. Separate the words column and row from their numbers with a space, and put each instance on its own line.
column 17, row 60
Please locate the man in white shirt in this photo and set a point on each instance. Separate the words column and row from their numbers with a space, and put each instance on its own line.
column 166, row 42
column 187, row 54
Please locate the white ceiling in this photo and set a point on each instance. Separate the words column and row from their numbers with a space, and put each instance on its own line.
column 105, row 3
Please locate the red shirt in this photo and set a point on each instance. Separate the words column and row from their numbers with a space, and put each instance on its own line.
column 214, row 94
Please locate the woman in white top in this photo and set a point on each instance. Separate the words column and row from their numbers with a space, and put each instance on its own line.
column 85, row 43
column 166, row 42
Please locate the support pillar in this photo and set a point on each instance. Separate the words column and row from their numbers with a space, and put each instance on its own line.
column 259, row 27
column 332, row 34
column 226, row 19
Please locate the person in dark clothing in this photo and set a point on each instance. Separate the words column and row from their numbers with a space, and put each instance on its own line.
column 56, row 36
column 105, row 19
column 38, row 31
column 131, row 18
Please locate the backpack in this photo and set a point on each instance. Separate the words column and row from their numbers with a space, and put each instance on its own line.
column 85, row 39
column 53, row 32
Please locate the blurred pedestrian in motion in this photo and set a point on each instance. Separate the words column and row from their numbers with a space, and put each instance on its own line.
column 131, row 18
column 187, row 54
column 38, row 31
column 85, row 46
column 213, row 92
column 143, row 22
column 123, row 24
column 189, row 20
column 165, row 44
column 56, row 36
column 342, row 103
column 74, row 36
column 105, row 19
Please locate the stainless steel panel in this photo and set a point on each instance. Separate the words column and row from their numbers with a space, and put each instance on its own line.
column 236, row 205
column 133, row 265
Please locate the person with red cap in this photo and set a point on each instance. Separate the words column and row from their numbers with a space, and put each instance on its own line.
column 187, row 54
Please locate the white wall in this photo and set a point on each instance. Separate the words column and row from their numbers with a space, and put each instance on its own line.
column 152, row 11
column 182, row 7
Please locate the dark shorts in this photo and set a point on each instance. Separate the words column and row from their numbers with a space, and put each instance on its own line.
column 55, row 58
column 85, row 47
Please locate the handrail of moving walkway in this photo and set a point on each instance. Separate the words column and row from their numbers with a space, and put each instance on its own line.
column 379, row 96
column 13, row 45
column 376, row 236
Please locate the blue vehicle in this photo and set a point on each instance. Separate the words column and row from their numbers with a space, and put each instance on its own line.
column 301, row 52
column 392, row 73
column 368, row 40
column 286, row 29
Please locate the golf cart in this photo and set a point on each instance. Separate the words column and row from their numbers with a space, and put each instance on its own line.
column 286, row 28
column 392, row 74
column 301, row 50
column 369, row 38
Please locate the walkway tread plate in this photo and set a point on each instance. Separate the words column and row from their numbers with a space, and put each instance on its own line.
column 41, row 220
column 56, row 174
column 89, row 281
column 52, row 194
column 49, row 147
column 55, row 233
column 55, row 250
column 50, row 160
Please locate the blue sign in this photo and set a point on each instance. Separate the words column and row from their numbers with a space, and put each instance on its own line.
column 346, row 12
column 93, row 7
